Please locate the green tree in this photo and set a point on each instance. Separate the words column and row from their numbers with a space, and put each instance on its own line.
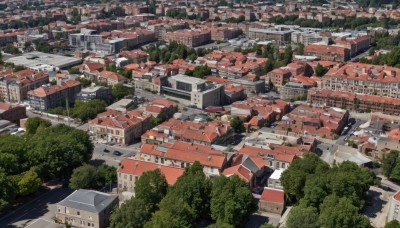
column 320, row 70
column 7, row 191
column 237, row 124
column 119, row 91
column 193, row 188
column 133, row 213
column 151, row 188
column 107, row 174
column 178, row 215
column 294, row 178
column 86, row 110
column 339, row 212
column 389, row 162
column 231, row 201
column 267, row 225
column 393, row 224
column 33, row 124
column 84, row 177
column 29, row 183
column 305, row 217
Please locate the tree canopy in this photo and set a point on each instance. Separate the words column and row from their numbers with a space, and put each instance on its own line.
column 237, row 124
column 119, row 91
column 91, row 177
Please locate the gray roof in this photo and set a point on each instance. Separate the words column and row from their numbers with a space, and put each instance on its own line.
column 34, row 59
column 88, row 200
column 187, row 79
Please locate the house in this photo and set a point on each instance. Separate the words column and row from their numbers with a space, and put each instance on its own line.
column 111, row 78
column 161, row 107
column 86, row 208
column 131, row 170
column 272, row 201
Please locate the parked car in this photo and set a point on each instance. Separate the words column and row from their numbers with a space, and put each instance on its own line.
column 106, row 151
column 117, row 153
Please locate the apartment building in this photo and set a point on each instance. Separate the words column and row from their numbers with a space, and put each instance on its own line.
column 131, row 170
column 356, row 45
column 354, row 101
column 328, row 52
column 279, row 35
column 292, row 90
column 307, row 38
column 47, row 97
column 225, row 33
column 194, row 91
column 204, row 133
column 394, row 208
column 365, row 79
column 323, row 122
column 279, row 77
column 86, row 208
column 190, row 38
column 14, row 87
column 110, row 78
column 115, row 127
column 183, row 154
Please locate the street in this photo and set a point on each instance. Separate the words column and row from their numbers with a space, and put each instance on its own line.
column 42, row 207
column 100, row 156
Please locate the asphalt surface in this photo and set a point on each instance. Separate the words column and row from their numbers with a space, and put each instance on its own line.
column 42, row 207
column 101, row 157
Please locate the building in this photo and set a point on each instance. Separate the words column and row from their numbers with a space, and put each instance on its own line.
column 356, row 45
column 279, row 35
column 328, row 52
column 115, row 127
column 365, row 79
column 225, row 33
column 12, row 113
column 131, row 170
column 95, row 93
column 279, row 77
column 323, row 122
column 194, row 91
column 161, row 108
column 190, row 38
column 40, row 61
column 204, row 133
column 14, row 87
column 394, row 207
column 47, row 97
column 354, row 101
column 272, row 201
column 110, row 78
column 86, row 208
column 293, row 90
column 183, row 154
column 123, row 105
column 308, row 38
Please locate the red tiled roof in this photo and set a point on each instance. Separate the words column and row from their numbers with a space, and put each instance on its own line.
column 240, row 171
column 137, row 168
column 273, row 195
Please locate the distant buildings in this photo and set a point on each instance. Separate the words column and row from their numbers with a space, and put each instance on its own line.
column 40, row 61
column 195, row 91
column 190, row 38
column 328, row 53
column 47, row 97
column 279, row 35
column 86, row 208
column 14, row 87
column 225, row 33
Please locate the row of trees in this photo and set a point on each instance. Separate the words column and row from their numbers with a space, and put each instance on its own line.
column 391, row 165
column 30, row 23
column 199, row 72
column 193, row 199
column 326, row 196
column 83, row 110
column 112, row 13
column 345, row 23
column 174, row 51
column 45, row 152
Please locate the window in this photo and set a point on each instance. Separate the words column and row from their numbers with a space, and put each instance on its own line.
column 59, row 210
column 88, row 224
column 270, row 163
column 78, row 213
column 162, row 160
column 130, row 177
column 283, row 165
column 125, row 176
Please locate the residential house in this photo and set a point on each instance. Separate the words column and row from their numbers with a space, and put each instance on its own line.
column 272, row 201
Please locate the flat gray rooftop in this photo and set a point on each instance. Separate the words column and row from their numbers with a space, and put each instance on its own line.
column 33, row 59
column 187, row 79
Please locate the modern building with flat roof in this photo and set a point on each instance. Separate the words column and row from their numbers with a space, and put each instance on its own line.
column 41, row 61
column 194, row 90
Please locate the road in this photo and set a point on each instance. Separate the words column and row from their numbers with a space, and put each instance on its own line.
column 343, row 138
column 42, row 207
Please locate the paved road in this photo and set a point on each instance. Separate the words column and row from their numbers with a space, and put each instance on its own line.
column 100, row 157
column 342, row 139
column 326, row 152
column 42, row 207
